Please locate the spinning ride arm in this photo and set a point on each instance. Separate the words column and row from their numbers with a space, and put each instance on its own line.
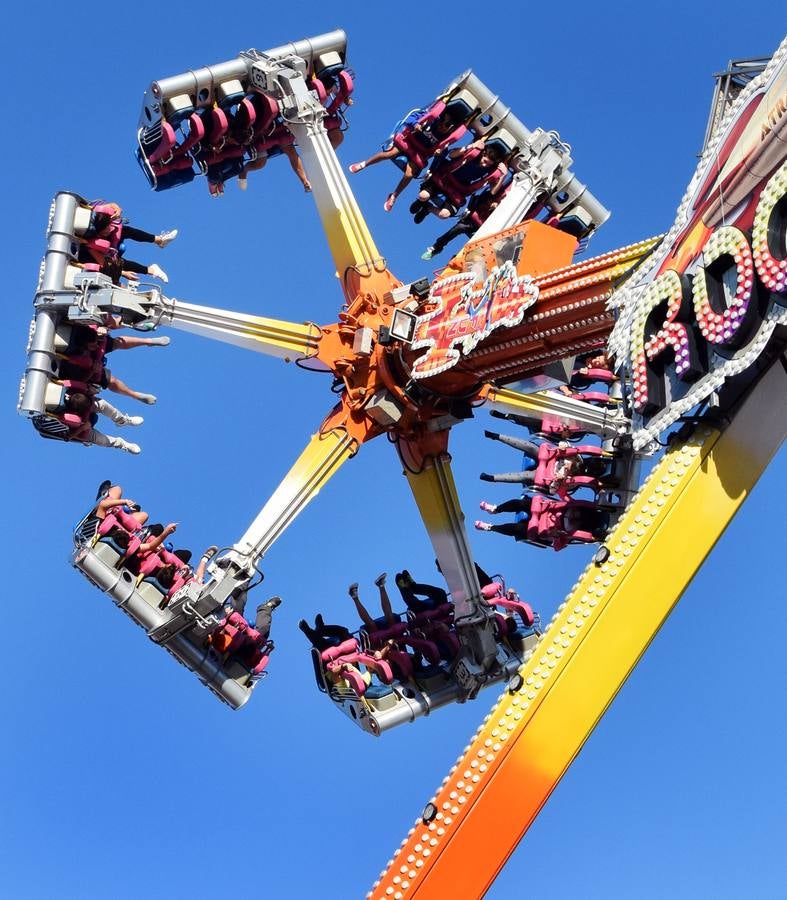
column 321, row 459
column 596, row 419
column 274, row 337
column 518, row 756
column 431, row 480
column 350, row 241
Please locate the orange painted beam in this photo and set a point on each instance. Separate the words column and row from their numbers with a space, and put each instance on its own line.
column 527, row 742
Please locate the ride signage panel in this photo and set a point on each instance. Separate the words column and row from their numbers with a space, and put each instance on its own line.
column 469, row 308
column 707, row 302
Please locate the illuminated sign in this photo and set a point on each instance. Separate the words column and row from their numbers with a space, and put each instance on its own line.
column 709, row 299
column 467, row 313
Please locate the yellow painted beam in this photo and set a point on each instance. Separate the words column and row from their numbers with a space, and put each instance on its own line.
column 274, row 337
column 351, row 243
column 435, row 494
column 597, row 419
column 527, row 742
column 322, row 457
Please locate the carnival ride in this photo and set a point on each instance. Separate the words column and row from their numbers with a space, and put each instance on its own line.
column 694, row 320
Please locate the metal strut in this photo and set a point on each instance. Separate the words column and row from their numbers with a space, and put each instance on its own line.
column 317, row 464
column 274, row 337
column 435, row 494
column 599, row 420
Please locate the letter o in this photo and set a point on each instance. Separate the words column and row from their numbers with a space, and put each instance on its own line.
column 769, row 234
column 724, row 326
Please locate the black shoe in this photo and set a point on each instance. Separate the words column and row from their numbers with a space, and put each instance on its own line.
column 492, row 435
column 319, row 621
column 421, row 215
column 497, row 414
column 485, row 476
column 270, row 604
column 103, row 488
column 415, row 206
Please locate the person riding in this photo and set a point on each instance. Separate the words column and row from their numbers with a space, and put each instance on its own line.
column 457, row 175
column 428, row 137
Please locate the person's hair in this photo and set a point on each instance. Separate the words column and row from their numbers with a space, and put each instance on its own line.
column 495, row 152
column 112, row 267
column 119, row 536
column 166, row 575
column 155, row 529
column 78, row 403
column 183, row 555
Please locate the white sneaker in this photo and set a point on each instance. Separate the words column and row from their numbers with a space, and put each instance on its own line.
column 243, row 182
column 131, row 420
column 131, row 448
column 167, row 237
column 157, row 272
column 159, row 341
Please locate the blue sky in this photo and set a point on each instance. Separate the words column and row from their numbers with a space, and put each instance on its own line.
column 120, row 776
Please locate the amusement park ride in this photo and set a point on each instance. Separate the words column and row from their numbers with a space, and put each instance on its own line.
column 694, row 321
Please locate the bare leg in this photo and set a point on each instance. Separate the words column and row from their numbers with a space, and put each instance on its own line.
column 297, row 166
column 380, row 156
column 385, row 601
column 363, row 612
column 408, row 176
column 253, row 166
column 120, row 387
column 256, row 164
column 128, row 343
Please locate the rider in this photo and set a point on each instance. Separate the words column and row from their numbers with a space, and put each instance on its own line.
column 434, row 131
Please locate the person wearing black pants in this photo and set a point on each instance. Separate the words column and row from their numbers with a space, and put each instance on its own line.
column 411, row 590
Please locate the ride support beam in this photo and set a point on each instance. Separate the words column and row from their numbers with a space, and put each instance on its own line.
column 273, row 337
column 434, row 489
column 354, row 252
column 513, row 208
column 318, row 463
column 596, row 419
column 519, row 754
column 435, row 495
